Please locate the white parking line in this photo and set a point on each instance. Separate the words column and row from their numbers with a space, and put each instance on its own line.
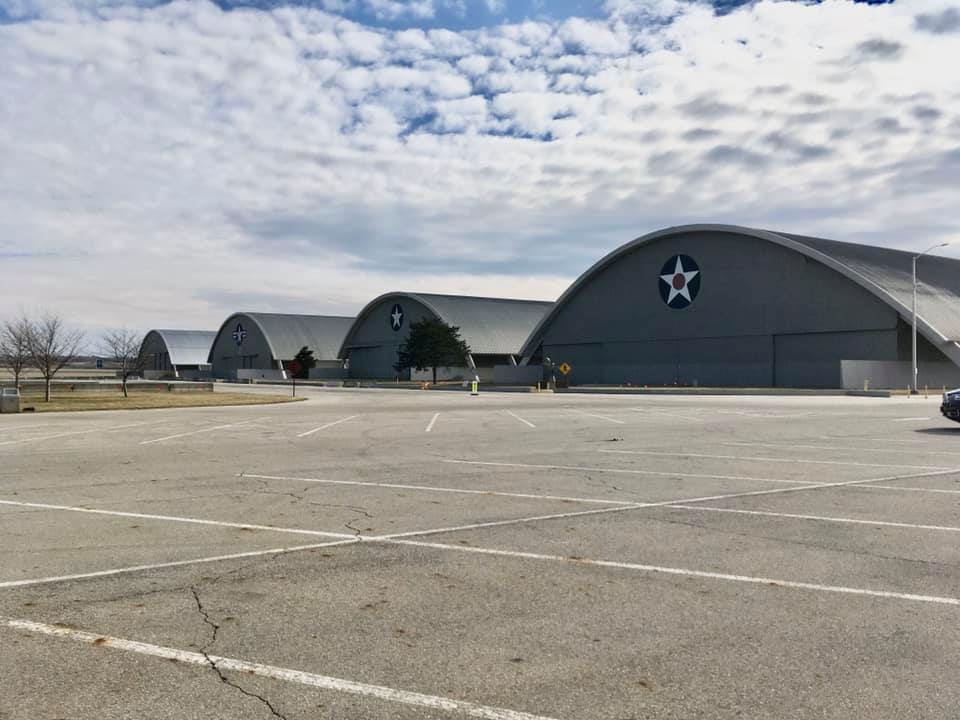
column 432, row 421
column 599, row 417
column 175, row 563
column 653, row 412
column 173, row 518
column 420, row 533
column 186, row 434
column 623, row 471
column 517, row 417
column 819, row 518
column 684, row 572
column 790, row 446
column 78, row 432
column 911, row 419
column 323, row 682
column 911, row 489
column 684, row 454
column 431, row 488
column 328, row 425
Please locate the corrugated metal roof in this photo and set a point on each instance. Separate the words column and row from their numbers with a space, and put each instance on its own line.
column 495, row 326
column 884, row 272
column 186, row 347
column 938, row 292
column 489, row 325
column 288, row 333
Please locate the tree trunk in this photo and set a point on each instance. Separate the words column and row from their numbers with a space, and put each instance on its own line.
column 46, row 391
column 434, row 374
column 123, row 384
column 16, row 379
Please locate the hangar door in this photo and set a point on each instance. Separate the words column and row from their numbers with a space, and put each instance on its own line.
column 375, row 362
column 745, row 361
column 813, row 359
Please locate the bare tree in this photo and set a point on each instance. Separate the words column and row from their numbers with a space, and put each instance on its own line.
column 51, row 346
column 122, row 347
column 14, row 354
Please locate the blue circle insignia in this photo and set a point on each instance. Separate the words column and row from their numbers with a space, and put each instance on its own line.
column 679, row 282
column 396, row 317
column 239, row 334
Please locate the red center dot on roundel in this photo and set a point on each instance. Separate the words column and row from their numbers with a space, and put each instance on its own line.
column 679, row 281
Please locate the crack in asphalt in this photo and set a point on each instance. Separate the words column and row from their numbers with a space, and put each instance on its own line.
column 215, row 629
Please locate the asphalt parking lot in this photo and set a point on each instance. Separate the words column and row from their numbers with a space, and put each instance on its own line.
column 403, row 554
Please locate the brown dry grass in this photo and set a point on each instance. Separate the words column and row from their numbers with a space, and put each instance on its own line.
column 149, row 400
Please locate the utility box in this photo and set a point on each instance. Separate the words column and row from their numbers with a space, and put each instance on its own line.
column 9, row 400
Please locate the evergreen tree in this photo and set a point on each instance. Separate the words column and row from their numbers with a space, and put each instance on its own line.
column 432, row 344
column 305, row 361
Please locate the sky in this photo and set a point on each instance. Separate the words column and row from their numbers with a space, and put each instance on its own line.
column 164, row 164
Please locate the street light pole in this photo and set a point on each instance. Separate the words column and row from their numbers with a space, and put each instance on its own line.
column 914, row 386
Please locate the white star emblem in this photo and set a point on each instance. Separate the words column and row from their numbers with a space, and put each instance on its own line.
column 678, row 281
column 397, row 317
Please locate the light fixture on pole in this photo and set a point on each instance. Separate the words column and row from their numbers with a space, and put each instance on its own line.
column 913, row 385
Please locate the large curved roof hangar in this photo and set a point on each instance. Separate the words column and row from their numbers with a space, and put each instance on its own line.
column 759, row 302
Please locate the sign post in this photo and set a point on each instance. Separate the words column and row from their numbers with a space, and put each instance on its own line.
column 294, row 368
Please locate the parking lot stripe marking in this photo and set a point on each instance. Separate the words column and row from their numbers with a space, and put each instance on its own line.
column 430, row 488
column 653, row 412
column 499, row 523
column 78, row 432
column 911, row 489
column 599, row 417
column 353, row 539
column 432, row 421
column 174, row 518
column 300, row 677
column 172, row 564
column 911, row 419
column 684, row 572
column 328, row 425
column 819, row 518
column 898, row 451
column 186, row 434
column 517, row 417
column 684, row 454
column 623, row 471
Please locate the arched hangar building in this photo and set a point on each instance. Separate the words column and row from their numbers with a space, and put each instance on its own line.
column 180, row 354
column 494, row 329
column 258, row 345
column 718, row 305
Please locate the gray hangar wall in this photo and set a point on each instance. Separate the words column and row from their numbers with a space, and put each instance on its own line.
column 761, row 315
column 377, row 336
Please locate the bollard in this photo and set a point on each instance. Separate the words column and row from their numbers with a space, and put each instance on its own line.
column 474, row 388
column 924, row 392
column 866, row 384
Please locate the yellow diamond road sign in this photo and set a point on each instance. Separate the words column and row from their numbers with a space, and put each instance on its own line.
column 565, row 368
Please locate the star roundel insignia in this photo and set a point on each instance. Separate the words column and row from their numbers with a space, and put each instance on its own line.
column 396, row 317
column 239, row 334
column 679, row 281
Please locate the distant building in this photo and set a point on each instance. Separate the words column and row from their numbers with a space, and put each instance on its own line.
column 176, row 354
column 257, row 345
column 494, row 328
column 719, row 305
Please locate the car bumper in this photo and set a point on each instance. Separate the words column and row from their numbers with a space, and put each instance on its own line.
column 951, row 412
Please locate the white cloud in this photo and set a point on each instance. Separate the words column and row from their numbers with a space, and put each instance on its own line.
column 162, row 165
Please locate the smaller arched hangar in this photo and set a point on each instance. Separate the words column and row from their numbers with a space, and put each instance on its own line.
column 257, row 345
column 180, row 354
column 721, row 305
column 494, row 328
